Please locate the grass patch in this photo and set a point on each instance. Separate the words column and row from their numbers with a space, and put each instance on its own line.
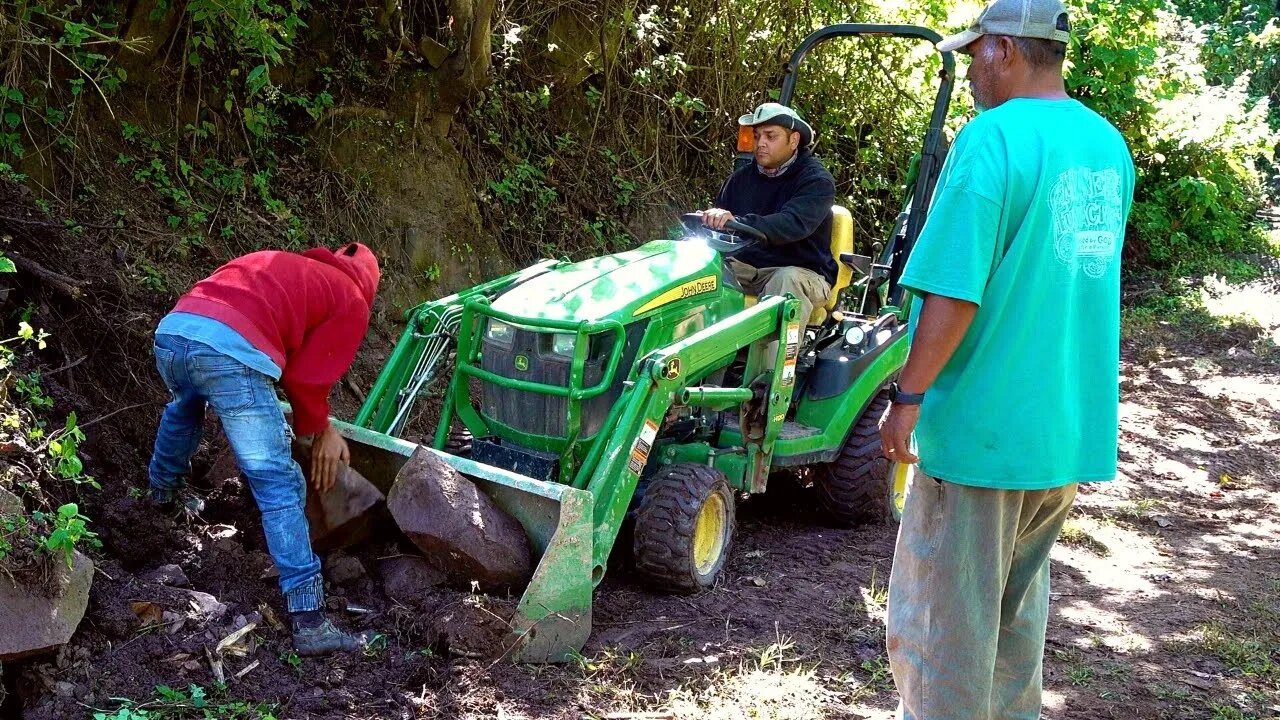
column 1177, row 693
column 758, row 693
column 1078, row 670
column 1222, row 711
column 1219, row 310
column 1138, row 510
column 1247, row 655
column 1076, row 533
column 771, row 685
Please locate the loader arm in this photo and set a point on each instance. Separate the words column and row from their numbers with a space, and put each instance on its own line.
column 663, row 376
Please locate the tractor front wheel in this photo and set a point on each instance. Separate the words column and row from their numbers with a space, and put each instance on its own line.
column 860, row 486
column 684, row 527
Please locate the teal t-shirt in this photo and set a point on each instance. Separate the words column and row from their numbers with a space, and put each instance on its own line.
column 1027, row 222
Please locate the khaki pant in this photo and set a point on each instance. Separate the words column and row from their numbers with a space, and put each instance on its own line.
column 969, row 599
column 807, row 286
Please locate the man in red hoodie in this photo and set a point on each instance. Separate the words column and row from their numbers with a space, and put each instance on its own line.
column 265, row 318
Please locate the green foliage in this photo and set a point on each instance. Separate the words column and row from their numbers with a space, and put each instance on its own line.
column 193, row 703
column 80, row 42
column 377, row 646
column 581, row 167
column 12, row 527
column 29, row 389
column 1248, row 655
column 231, row 112
column 69, row 529
column 598, row 120
column 64, row 451
column 57, row 458
column 293, row 660
column 1197, row 128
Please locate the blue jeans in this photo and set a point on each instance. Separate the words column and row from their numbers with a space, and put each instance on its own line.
column 245, row 401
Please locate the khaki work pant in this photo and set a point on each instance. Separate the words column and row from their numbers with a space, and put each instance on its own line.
column 807, row 286
column 969, row 599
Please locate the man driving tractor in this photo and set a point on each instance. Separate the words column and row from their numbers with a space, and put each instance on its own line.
column 787, row 194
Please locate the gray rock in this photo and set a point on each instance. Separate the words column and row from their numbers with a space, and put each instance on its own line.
column 37, row 619
column 170, row 575
column 204, row 607
column 10, row 504
column 343, row 569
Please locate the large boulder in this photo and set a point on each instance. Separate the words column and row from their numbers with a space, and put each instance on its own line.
column 39, row 618
column 457, row 527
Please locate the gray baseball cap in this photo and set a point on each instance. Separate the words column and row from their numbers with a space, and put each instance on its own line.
column 772, row 113
column 1014, row 18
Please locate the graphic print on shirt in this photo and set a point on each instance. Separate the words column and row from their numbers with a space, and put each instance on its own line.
column 1087, row 219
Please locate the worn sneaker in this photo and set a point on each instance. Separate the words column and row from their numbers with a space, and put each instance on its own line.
column 326, row 639
column 177, row 503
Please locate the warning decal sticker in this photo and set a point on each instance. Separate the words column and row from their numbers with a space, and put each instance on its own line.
column 640, row 450
column 793, row 341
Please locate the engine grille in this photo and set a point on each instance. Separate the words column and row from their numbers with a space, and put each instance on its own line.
column 547, row 415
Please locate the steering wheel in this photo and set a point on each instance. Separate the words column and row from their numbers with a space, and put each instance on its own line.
column 739, row 236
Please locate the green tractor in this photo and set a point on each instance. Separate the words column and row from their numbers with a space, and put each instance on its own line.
column 646, row 388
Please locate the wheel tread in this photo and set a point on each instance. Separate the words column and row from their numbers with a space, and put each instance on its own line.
column 665, row 523
column 854, row 488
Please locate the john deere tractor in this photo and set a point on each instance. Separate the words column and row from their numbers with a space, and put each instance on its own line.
column 647, row 388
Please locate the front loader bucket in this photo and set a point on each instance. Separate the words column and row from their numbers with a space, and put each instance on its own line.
column 553, row 619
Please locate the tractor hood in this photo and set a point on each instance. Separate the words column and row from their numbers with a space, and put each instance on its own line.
column 621, row 286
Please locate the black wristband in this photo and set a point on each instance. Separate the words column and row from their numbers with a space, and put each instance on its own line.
column 899, row 397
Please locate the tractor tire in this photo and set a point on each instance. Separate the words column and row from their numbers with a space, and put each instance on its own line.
column 854, row 488
column 684, row 528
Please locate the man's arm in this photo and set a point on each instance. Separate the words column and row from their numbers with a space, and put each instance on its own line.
column 716, row 216
column 942, row 326
column 324, row 356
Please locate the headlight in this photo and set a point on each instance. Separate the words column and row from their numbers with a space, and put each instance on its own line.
column 499, row 331
column 562, row 344
column 854, row 336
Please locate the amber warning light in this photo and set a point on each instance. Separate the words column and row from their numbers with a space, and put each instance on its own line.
column 746, row 139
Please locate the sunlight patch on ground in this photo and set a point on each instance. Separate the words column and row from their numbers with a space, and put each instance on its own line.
column 1135, row 413
column 1052, row 701
column 1240, row 536
column 1254, row 302
column 760, row 693
column 1088, row 614
column 1243, row 389
column 1176, row 469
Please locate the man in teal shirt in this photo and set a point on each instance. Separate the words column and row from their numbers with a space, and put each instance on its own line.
column 1011, row 385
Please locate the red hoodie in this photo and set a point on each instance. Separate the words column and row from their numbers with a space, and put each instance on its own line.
column 308, row 312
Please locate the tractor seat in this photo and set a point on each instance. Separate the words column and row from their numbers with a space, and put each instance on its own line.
column 841, row 242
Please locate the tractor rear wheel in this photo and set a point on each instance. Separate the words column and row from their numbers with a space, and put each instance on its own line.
column 860, row 486
column 684, row 527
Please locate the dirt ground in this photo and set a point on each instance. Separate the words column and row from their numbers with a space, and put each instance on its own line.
column 1166, row 586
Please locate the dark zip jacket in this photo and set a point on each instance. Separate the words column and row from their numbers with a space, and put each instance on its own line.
column 793, row 209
